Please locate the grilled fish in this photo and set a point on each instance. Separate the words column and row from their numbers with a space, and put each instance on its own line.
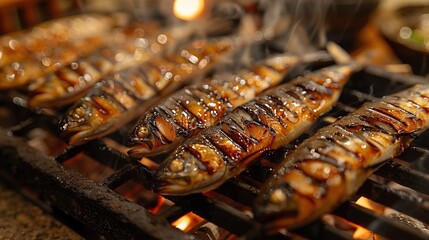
column 330, row 166
column 123, row 96
column 196, row 107
column 19, row 45
column 223, row 150
column 70, row 82
column 29, row 54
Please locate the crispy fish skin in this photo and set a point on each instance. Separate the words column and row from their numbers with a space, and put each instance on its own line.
column 197, row 107
column 329, row 167
column 214, row 155
column 72, row 81
column 29, row 54
column 123, row 96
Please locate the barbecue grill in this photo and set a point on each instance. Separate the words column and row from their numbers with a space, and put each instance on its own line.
column 97, row 205
column 101, row 193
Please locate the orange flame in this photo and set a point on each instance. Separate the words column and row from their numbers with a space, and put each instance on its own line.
column 188, row 9
column 158, row 207
column 363, row 233
column 187, row 222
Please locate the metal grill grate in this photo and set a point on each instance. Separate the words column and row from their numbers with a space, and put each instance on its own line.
column 98, row 206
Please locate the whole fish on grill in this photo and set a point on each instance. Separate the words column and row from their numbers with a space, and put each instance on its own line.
column 188, row 111
column 214, row 155
column 329, row 167
column 29, row 54
column 123, row 96
column 70, row 82
column 18, row 45
column 135, row 45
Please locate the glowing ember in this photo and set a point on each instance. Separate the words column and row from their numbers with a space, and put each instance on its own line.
column 188, row 9
column 187, row 222
column 367, row 203
column 363, row 233
column 158, row 206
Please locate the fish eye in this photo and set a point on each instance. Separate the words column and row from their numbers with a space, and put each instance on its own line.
column 277, row 196
column 175, row 166
column 78, row 113
column 142, row 132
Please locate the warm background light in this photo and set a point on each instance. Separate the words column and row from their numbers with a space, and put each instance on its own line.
column 188, row 9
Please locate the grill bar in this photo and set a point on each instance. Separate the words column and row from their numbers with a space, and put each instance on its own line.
column 405, row 176
column 377, row 223
column 99, row 207
column 119, row 177
column 91, row 203
column 401, row 201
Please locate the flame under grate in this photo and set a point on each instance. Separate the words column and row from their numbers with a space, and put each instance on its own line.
column 98, row 204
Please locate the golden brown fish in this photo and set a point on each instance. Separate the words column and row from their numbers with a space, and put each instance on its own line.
column 123, row 96
column 188, row 111
column 29, row 54
column 18, row 45
column 329, row 167
column 214, row 155
column 129, row 46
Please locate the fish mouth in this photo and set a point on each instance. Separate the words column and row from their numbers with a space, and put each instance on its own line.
column 84, row 134
column 141, row 149
column 186, row 185
column 173, row 186
column 81, row 137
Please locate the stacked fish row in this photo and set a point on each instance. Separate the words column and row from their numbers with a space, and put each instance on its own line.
column 32, row 53
column 216, row 128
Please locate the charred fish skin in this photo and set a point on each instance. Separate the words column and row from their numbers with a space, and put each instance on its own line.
column 331, row 165
column 28, row 54
column 196, row 107
column 72, row 81
column 225, row 149
column 113, row 102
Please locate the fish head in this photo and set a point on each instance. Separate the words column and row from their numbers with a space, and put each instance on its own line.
column 277, row 208
column 78, row 122
column 186, row 172
column 151, row 136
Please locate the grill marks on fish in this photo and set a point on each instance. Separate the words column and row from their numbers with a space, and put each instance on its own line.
column 261, row 125
column 349, row 151
column 71, row 81
column 131, row 87
column 200, row 106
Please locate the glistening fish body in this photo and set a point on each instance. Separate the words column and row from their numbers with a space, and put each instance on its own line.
column 225, row 149
column 331, row 165
column 29, row 54
column 194, row 108
column 130, row 46
column 123, row 96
